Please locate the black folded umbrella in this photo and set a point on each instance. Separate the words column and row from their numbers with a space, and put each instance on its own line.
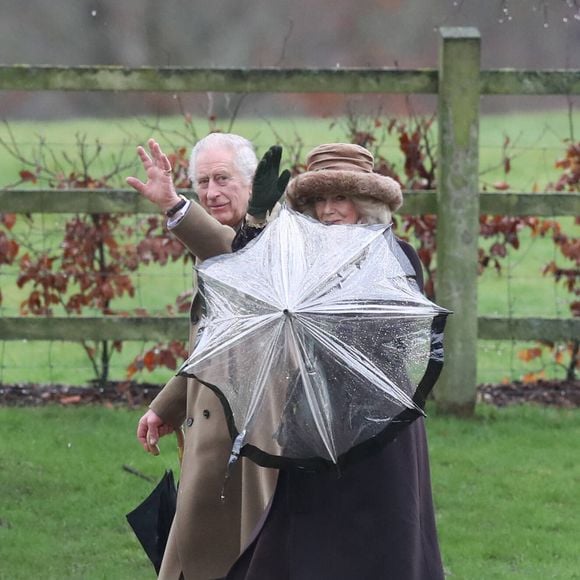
column 151, row 520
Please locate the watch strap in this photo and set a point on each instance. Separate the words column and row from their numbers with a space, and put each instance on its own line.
column 173, row 210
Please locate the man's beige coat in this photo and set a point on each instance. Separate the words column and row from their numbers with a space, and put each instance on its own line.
column 207, row 534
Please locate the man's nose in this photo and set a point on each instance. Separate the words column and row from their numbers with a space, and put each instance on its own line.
column 212, row 189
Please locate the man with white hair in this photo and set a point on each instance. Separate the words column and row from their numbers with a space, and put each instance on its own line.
column 208, row 532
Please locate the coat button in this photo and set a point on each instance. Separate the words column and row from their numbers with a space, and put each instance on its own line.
column 189, row 421
column 206, row 413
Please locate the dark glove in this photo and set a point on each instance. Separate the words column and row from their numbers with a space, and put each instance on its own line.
column 268, row 186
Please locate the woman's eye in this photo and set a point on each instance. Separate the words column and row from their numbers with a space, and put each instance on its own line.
column 339, row 197
column 318, row 199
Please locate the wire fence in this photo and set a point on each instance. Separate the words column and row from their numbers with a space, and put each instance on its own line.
column 517, row 287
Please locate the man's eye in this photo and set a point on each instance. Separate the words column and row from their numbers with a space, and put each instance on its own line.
column 221, row 179
column 203, row 183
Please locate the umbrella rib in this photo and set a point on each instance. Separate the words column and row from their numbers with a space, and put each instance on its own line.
column 239, row 292
column 355, row 358
column 210, row 351
column 364, row 309
column 338, row 266
column 262, row 376
column 309, row 391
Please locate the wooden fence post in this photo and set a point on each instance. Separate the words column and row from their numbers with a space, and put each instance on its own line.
column 458, row 214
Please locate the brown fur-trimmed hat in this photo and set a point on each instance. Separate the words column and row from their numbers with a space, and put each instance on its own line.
column 342, row 169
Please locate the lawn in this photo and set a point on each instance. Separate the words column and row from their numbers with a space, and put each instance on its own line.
column 536, row 140
column 505, row 486
column 519, row 290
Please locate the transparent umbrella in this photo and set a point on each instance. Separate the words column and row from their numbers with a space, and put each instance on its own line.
column 317, row 341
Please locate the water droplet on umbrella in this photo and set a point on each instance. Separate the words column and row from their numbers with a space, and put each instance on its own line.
column 93, row 13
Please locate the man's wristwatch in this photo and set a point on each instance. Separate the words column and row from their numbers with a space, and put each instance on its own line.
column 173, row 210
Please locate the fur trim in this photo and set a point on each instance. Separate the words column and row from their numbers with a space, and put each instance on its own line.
column 303, row 189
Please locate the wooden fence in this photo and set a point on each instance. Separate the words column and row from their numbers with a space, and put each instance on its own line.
column 458, row 82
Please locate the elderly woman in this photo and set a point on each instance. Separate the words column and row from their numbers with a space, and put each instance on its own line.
column 375, row 521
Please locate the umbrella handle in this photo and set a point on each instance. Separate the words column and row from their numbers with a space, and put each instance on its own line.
column 154, row 448
column 180, row 443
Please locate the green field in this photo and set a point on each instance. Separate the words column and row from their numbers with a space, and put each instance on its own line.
column 536, row 140
column 505, row 488
column 519, row 290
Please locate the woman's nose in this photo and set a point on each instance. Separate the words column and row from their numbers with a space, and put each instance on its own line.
column 328, row 207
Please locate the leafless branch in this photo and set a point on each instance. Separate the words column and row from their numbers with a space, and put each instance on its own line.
column 287, row 37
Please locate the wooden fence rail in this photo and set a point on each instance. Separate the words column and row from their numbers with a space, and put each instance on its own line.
column 31, row 201
column 167, row 328
column 458, row 82
column 277, row 80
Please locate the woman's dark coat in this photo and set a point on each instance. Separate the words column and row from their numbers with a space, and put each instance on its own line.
column 376, row 521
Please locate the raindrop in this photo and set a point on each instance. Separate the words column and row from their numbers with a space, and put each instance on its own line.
column 577, row 16
column 545, row 25
column 510, row 17
column 564, row 19
column 69, row 445
column 500, row 20
column 93, row 13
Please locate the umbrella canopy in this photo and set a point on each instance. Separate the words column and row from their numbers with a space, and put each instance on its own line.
column 151, row 520
column 317, row 341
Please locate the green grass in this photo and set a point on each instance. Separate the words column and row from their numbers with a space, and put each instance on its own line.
column 519, row 290
column 64, row 493
column 505, row 487
column 506, row 493
column 536, row 139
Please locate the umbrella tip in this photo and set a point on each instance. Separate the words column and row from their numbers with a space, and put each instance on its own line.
column 234, row 456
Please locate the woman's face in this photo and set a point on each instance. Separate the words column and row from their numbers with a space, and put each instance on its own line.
column 335, row 209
